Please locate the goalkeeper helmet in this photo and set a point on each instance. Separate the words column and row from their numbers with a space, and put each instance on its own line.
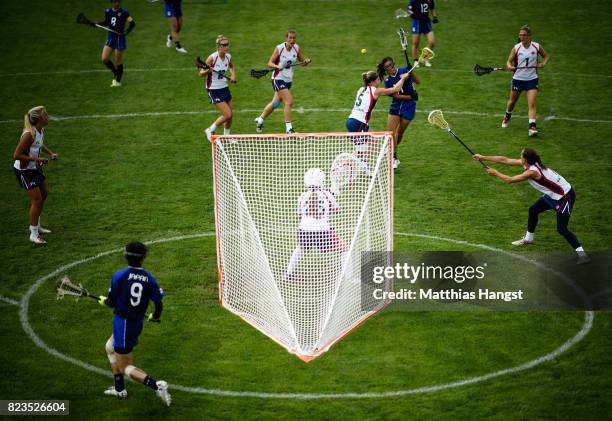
column 314, row 177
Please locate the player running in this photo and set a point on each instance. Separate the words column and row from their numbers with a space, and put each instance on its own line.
column 403, row 105
column 220, row 63
column 129, row 294
column 174, row 13
column 523, row 61
column 419, row 10
column 558, row 195
column 28, row 167
column 314, row 208
column 115, row 19
column 282, row 58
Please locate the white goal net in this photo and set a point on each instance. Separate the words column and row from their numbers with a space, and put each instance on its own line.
column 293, row 215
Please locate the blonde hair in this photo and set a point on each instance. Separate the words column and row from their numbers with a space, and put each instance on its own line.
column 526, row 28
column 369, row 77
column 31, row 119
column 220, row 38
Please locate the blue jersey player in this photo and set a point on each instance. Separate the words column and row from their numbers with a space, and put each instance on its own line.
column 419, row 10
column 115, row 19
column 403, row 105
column 129, row 294
column 173, row 11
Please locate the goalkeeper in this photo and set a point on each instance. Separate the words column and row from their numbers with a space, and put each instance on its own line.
column 314, row 208
column 129, row 294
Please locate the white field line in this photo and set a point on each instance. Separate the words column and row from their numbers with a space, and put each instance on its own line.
column 584, row 330
column 8, row 300
column 299, row 110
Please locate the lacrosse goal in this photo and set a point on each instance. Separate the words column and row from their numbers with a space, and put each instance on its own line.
column 303, row 291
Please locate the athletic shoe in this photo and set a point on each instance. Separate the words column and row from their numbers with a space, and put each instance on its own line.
column 37, row 239
column 115, row 84
column 181, row 50
column 112, row 392
column 169, row 42
column 505, row 123
column 162, row 392
column 427, row 63
column 521, row 242
column 291, row 131
column 209, row 133
column 42, row 230
column 396, row 163
column 258, row 125
column 533, row 132
column 583, row 259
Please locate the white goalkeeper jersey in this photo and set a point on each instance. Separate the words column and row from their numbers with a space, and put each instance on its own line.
column 364, row 104
column 34, row 151
column 315, row 211
column 526, row 57
column 550, row 182
column 285, row 58
column 217, row 80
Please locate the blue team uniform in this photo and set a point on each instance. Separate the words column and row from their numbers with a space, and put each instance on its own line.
column 420, row 15
column 405, row 109
column 130, row 292
column 173, row 8
column 115, row 20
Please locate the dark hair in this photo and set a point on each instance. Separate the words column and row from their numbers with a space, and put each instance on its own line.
column 526, row 28
column 369, row 77
column 532, row 157
column 290, row 31
column 135, row 253
column 380, row 67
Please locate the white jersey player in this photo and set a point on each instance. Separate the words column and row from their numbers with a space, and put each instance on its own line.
column 282, row 60
column 219, row 66
column 558, row 195
column 523, row 61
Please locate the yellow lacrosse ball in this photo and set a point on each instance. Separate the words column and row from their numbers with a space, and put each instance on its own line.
column 363, row 51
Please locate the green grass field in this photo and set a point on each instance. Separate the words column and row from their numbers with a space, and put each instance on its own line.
column 125, row 155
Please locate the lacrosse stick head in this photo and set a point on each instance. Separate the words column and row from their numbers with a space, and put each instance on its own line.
column 479, row 70
column 200, row 63
column 258, row 73
column 403, row 38
column 436, row 118
column 401, row 13
column 426, row 54
column 66, row 287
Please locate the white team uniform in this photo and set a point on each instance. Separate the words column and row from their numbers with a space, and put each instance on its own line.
column 526, row 57
column 364, row 104
column 215, row 80
column 286, row 57
column 326, row 203
column 551, row 183
column 34, row 151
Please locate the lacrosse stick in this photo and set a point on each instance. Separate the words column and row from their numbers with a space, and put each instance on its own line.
column 84, row 21
column 480, row 70
column 426, row 54
column 344, row 170
column 436, row 118
column 66, row 287
column 200, row 64
column 401, row 13
column 404, row 43
column 258, row 73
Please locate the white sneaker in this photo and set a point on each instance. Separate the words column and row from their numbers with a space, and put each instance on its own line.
column 521, row 242
column 181, row 50
column 112, row 392
column 162, row 392
column 115, row 84
column 396, row 163
column 259, row 125
column 533, row 132
column 169, row 42
column 209, row 133
column 291, row 131
column 505, row 123
column 42, row 230
column 37, row 239
column 427, row 63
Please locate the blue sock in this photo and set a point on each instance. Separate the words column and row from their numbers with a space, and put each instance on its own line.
column 119, row 385
column 149, row 381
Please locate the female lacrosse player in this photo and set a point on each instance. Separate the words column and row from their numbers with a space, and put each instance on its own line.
column 558, row 195
column 27, row 167
column 283, row 56
column 314, row 208
column 219, row 63
column 115, row 19
column 419, row 10
column 129, row 294
column 174, row 13
column 523, row 61
column 403, row 105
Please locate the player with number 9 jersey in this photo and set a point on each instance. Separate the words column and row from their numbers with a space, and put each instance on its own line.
column 131, row 290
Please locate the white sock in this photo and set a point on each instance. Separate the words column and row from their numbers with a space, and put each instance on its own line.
column 296, row 258
column 38, row 226
column 580, row 251
column 532, row 120
column 227, row 131
column 212, row 127
column 260, row 119
column 34, row 230
column 529, row 236
column 288, row 125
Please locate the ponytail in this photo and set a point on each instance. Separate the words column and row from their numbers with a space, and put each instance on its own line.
column 369, row 77
column 31, row 119
column 380, row 67
column 532, row 157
